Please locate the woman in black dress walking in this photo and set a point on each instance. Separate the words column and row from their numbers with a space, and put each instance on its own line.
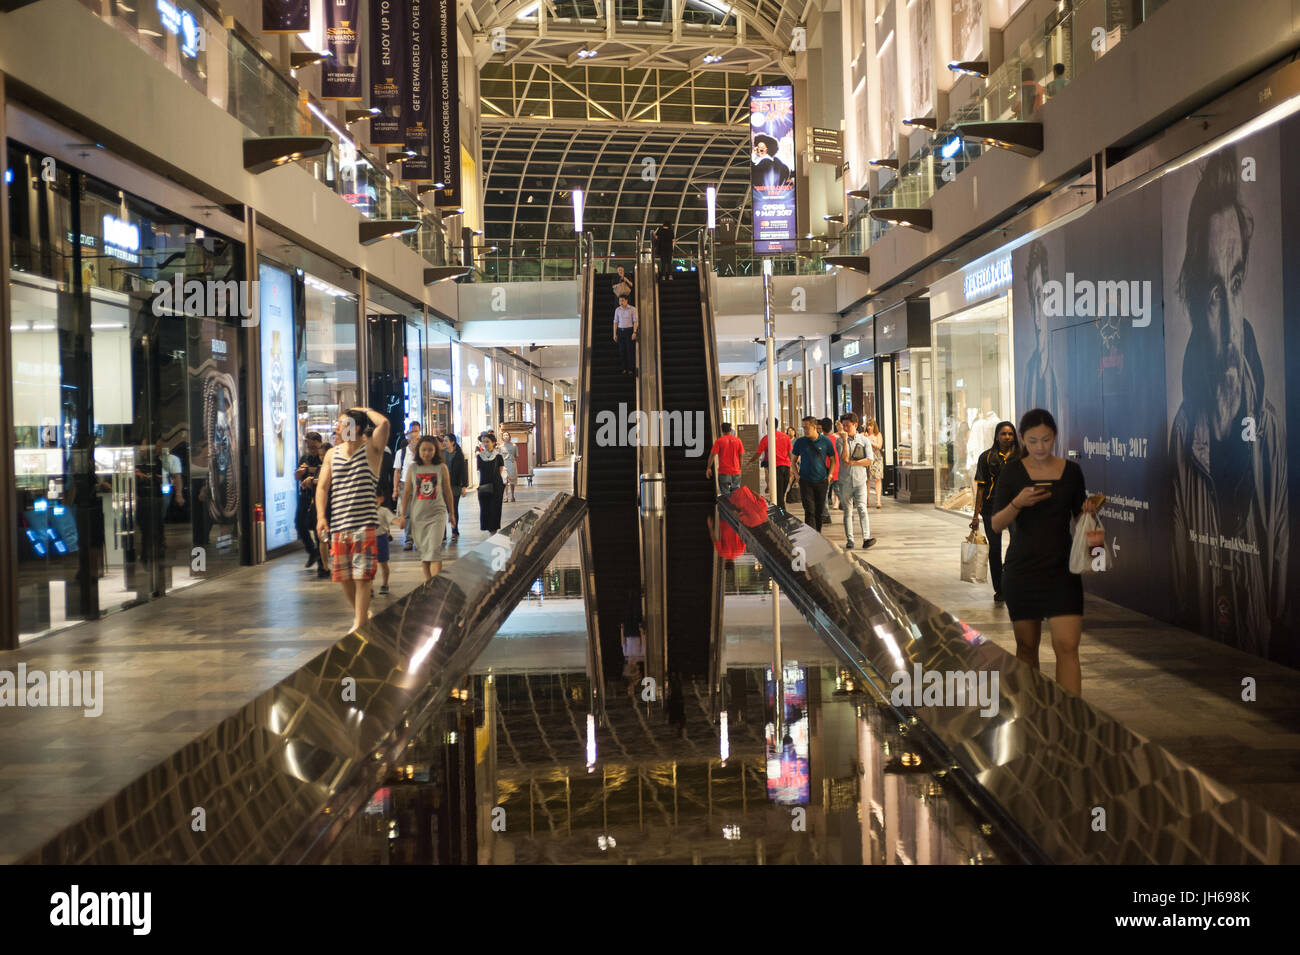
column 1036, row 495
column 491, row 483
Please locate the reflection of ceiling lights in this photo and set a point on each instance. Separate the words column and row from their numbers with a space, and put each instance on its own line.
column 586, row 54
column 712, row 58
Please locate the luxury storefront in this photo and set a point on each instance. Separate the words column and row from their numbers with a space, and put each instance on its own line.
column 973, row 380
column 127, row 402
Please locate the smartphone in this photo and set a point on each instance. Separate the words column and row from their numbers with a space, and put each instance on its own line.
column 1046, row 484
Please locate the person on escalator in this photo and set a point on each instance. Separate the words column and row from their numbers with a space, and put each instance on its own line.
column 663, row 243
column 625, row 325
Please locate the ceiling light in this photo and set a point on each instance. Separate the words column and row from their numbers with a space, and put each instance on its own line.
column 886, row 163
column 920, row 122
column 298, row 60
column 863, row 194
column 373, row 230
column 970, row 67
column 266, row 152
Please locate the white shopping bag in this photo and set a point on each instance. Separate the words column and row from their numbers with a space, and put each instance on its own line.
column 1089, row 553
column 975, row 558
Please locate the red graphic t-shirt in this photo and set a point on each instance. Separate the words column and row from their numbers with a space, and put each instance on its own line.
column 783, row 443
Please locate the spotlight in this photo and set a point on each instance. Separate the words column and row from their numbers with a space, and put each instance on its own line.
column 970, row 67
column 920, row 123
column 298, row 60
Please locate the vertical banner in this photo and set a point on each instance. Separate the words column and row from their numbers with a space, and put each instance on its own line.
column 286, row 16
column 446, row 111
column 771, row 121
column 341, row 73
column 417, row 26
column 386, row 130
column 386, row 55
column 280, row 445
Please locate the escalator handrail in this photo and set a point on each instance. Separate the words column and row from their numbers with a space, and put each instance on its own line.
column 587, row 333
column 708, row 324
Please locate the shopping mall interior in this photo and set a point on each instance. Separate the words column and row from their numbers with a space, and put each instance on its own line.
column 603, row 251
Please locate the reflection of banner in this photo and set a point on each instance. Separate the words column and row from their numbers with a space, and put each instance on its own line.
column 788, row 780
column 279, row 447
column 771, row 119
column 341, row 72
column 386, row 58
column 446, row 106
column 415, row 79
column 286, row 16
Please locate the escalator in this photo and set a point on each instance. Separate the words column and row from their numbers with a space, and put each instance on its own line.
column 605, row 475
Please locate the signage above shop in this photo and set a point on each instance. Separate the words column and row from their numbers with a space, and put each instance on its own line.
column 851, row 349
column 991, row 277
column 181, row 23
column 827, row 146
column 121, row 240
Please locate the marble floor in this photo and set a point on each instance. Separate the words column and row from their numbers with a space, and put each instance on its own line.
column 1172, row 686
column 175, row 667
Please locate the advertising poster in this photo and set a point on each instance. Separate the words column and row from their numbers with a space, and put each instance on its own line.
column 386, row 130
column 279, row 403
column 286, row 16
column 417, row 109
column 771, row 120
column 215, row 484
column 341, row 73
column 1226, row 357
column 386, row 56
column 1153, row 329
column 921, row 27
column 446, row 106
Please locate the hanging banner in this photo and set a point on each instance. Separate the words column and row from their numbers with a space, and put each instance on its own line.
column 417, row 169
column 446, row 106
column 386, row 130
column 386, row 54
column 771, row 121
column 416, row 107
column 341, row 72
column 286, row 16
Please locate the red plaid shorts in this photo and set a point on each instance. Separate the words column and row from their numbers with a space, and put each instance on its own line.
column 354, row 555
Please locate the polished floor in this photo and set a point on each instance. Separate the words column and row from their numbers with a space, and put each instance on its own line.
column 174, row 668
column 1177, row 689
column 178, row 666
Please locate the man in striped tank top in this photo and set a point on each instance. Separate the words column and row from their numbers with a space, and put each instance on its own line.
column 345, row 505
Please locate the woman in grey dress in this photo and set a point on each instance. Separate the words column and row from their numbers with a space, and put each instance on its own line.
column 427, row 503
column 511, row 454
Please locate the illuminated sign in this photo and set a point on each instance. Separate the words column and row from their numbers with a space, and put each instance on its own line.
column 995, row 275
column 181, row 23
column 851, row 349
column 121, row 240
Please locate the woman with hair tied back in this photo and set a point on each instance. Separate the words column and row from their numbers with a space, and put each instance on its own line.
column 1036, row 495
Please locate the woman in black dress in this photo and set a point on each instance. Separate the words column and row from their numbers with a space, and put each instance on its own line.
column 491, row 483
column 1036, row 495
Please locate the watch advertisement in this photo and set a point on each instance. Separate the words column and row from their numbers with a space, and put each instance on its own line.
column 771, row 121
column 279, row 445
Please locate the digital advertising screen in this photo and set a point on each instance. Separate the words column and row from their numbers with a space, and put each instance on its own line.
column 279, row 404
column 772, row 151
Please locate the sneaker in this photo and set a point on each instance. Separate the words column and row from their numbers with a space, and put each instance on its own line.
column 383, row 590
column 848, row 545
column 409, row 545
column 870, row 541
column 322, row 574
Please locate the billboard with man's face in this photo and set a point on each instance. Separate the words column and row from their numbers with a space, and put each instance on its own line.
column 771, row 122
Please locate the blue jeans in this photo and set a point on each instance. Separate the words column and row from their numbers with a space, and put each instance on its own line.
column 855, row 497
column 728, row 483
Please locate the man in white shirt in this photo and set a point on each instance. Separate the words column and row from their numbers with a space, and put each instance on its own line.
column 401, row 467
column 856, row 457
column 625, row 335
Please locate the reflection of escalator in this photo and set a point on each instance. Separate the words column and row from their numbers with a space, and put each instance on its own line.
column 610, row 544
column 694, row 589
column 684, row 370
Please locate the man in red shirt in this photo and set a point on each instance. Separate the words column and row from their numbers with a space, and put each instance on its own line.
column 783, row 444
column 725, row 456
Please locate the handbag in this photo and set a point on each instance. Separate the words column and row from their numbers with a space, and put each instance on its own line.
column 622, row 288
column 1088, row 551
column 975, row 558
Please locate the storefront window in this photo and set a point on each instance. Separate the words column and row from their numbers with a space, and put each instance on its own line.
column 912, row 383
column 441, row 380
column 735, row 400
column 328, row 375
column 972, row 359
column 126, row 400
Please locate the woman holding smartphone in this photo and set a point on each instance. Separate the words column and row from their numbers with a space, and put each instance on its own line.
column 1036, row 496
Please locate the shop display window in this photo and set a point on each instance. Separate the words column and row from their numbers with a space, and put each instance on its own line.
column 912, row 379
column 972, row 363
